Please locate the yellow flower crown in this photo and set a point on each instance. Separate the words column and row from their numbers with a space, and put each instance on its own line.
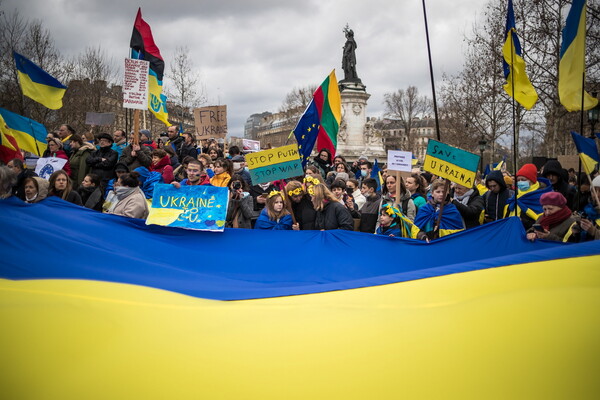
column 311, row 190
column 392, row 211
column 310, row 179
column 295, row 192
column 274, row 193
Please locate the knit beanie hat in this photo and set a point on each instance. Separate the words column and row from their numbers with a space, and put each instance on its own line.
column 529, row 171
column 553, row 199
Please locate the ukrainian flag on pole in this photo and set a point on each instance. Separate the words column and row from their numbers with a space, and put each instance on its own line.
column 571, row 68
column 514, row 65
column 39, row 85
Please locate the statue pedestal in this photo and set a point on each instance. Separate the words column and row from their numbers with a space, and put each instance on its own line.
column 356, row 135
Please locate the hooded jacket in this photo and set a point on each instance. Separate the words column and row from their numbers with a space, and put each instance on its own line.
column 163, row 166
column 562, row 185
column 495, row 202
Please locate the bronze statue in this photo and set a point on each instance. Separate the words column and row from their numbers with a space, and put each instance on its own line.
column 349, row 57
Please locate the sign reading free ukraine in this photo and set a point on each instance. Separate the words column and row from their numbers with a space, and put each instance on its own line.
column 191, row 207
column 271, row 165
column 451, row 163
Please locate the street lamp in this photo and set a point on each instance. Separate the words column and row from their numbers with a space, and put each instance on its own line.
column 482, row 144
column 593, row 116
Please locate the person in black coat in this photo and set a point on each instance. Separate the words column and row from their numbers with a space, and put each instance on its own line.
column 559, row 177
column 495, row 198
column 469, row 203
column 188, row 147
column 16, row 164
column 102, row 161
column 330, row 212
column 302, row 206
column 91, row 193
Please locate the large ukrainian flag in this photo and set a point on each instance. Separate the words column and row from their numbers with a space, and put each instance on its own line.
column 39, row 85
column 340, row 315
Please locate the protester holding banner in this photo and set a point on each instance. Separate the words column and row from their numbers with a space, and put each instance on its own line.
column 60, row 186
column 406, row 203
column 36, row 189
column 91, row 193
column 103, row 161
column 275, row 216
column 223, row 172
column 469, row 204
column 146, row 139
column 78, row 160
column 240, row 209
column 416, row 185
column 428, row 220
column 495, row 199
column 136, row 155
column 120, row 141
column 161, row 163
column 330, row 213
column 557, row 221
column 529, row 191
column 131, row 201
column 195, row 175
column 56, row 150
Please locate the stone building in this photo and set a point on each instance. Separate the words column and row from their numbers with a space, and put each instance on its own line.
column 394, row 137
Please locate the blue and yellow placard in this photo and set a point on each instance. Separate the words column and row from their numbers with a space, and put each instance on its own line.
column 201, row 208
column 271, row 165
column 451, row 163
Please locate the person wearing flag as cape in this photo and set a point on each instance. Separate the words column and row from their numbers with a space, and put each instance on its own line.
column 428, row 218
column 393, row 223
column 530, row 189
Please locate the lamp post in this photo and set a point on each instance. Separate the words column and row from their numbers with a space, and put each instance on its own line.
column 593, row 116
column 482, row 144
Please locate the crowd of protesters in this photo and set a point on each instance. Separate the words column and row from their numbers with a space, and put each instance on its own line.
column 109, row 173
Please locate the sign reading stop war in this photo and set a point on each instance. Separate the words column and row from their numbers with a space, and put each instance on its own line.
column 271, row 165
column 135, row 84
column 448, row 162
column 211, row 122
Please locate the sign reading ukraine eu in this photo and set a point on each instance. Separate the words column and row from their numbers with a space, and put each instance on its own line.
column 201, row 208
column 271, row 165
column 448, row 162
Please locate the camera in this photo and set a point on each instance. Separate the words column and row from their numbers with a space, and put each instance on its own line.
column 236, row 185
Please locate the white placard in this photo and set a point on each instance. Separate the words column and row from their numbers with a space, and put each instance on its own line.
column 399, row 161
column 251, row 145
column 135, row 84
column 47, row 165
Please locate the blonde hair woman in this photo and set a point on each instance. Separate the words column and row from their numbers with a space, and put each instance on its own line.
column 275, row 215
column 330, row 213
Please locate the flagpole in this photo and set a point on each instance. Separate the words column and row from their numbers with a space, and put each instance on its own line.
column 514, row 118
column 435, row 110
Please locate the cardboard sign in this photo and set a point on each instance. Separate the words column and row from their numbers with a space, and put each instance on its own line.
column 99, row 119
column 47, row 165
column 271, row 165
column 201, row 208
column 135, row 84
column 211, row 122
column 399, row 161
column 448, row 162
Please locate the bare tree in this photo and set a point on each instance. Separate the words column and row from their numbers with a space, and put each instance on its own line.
column 406, row 105
column 186, row 90
column 295, row 103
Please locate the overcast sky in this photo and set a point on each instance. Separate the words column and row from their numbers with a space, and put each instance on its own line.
column 251, row 53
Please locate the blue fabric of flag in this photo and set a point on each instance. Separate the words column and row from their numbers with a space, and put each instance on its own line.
column 306, row 131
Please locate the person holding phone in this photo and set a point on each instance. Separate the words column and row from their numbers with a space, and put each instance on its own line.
column 556, row 221
column 240, row 209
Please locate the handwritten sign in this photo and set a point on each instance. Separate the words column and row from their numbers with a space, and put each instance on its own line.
column 448, row 162
column 399, row 161
column 99, row 119
column 211, row 122
column 271, row 165
column 135, row 84
column 201, row 208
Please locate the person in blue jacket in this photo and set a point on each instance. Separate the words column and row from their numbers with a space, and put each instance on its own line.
column 275, row 216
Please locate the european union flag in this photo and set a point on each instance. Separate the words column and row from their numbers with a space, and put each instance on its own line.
column 306, row 131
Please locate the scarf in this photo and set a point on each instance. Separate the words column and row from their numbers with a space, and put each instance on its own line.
column 30, row 200
column 550, row 221
column 124, row 191
column 464, row 199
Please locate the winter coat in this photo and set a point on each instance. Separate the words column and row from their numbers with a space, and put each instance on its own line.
column 305, row 213
column 79, row 165
column 163, row 166
column 471, row 212
column 369, row 214
column 62, row 154
column 359, row 199
column 282, row 224
column 221, row 180
column 91, row 197
column 176, row 143
column 104, row 169
column 72, row 197
column 19, row 188
column 255, row 192
column 142, row 158
column 562, row 185
column 560, row 232
column 494, row 203
column 133, row 206
column 243, row 209
column 334, row 216
column 187, row 150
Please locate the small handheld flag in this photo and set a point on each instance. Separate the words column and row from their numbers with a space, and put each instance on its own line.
column 588, row 152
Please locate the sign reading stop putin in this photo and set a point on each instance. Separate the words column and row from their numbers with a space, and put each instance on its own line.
column 271, row 165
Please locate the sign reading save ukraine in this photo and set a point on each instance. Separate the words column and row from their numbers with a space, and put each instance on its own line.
column 201, row 208
column 448, row 162
column 271, row 165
